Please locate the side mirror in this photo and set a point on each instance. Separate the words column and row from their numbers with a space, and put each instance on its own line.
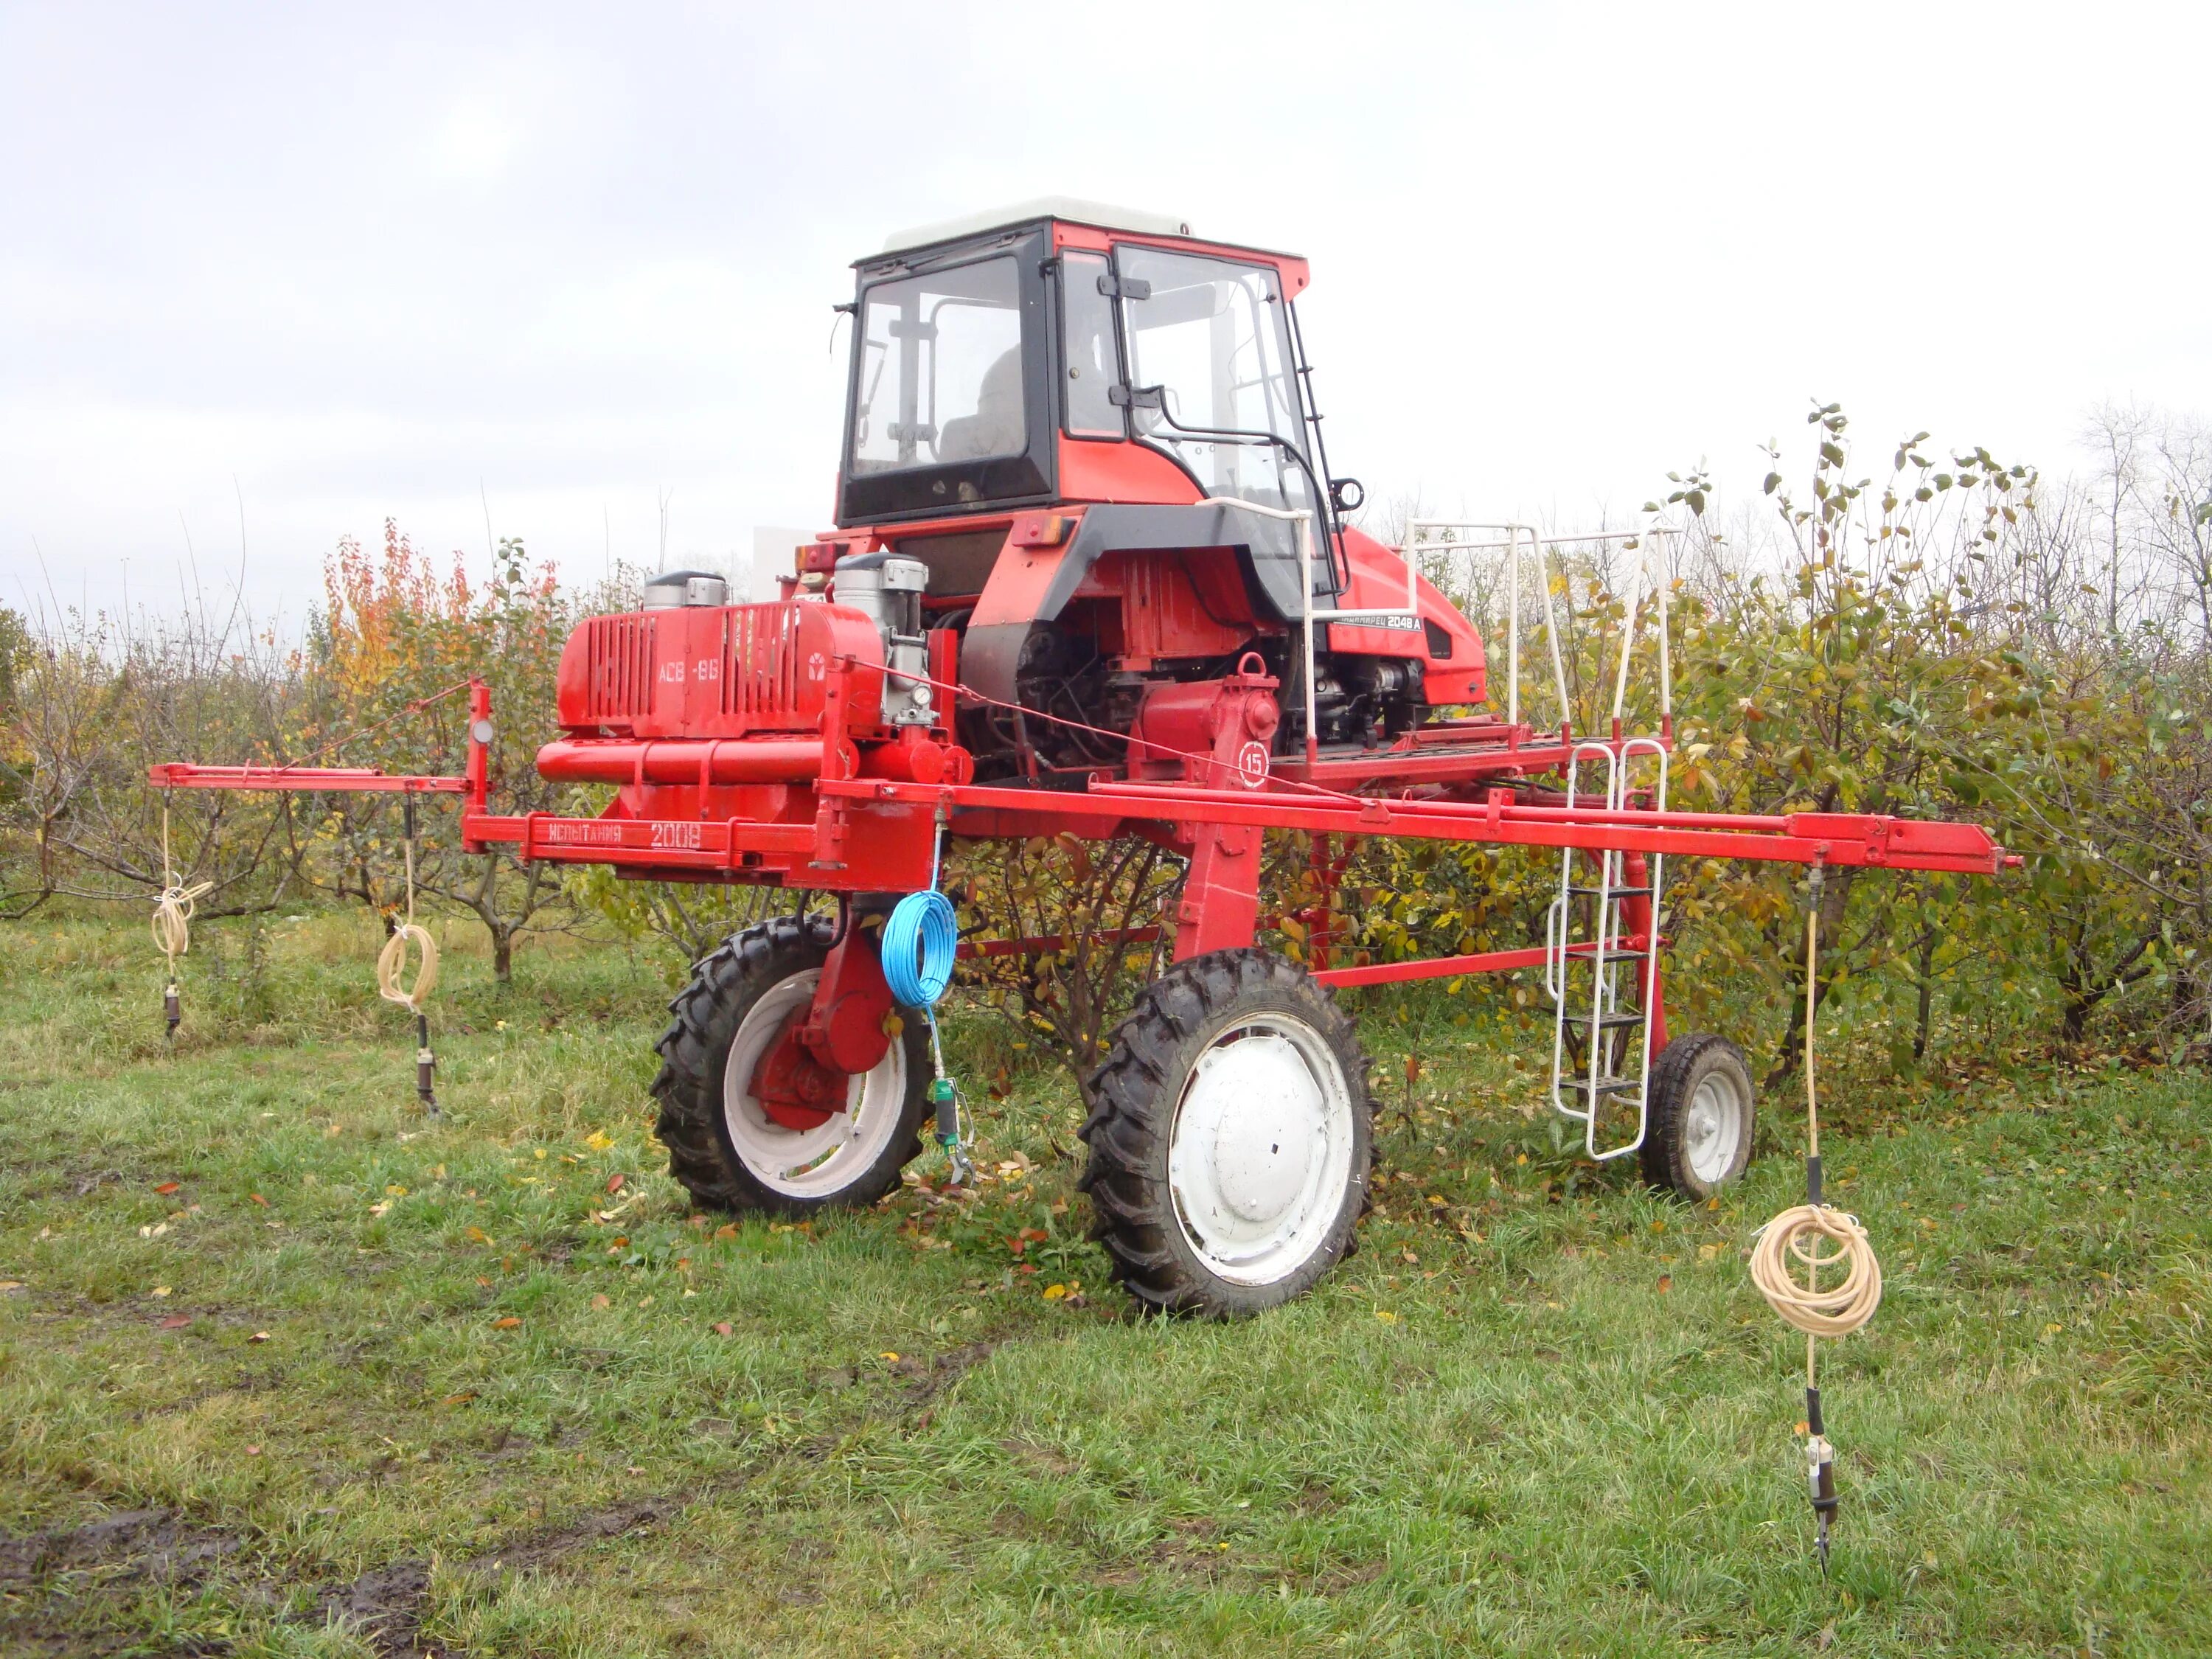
column 1348, row 494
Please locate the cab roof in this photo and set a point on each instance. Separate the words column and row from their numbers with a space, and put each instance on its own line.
column 1076, row 224
column 1068, row 210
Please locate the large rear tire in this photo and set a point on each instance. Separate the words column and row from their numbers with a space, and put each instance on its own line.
column 1230, row 1137
column 1697, row 1133
column 725, row 1150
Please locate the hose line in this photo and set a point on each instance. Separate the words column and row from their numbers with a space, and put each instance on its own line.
column 919, row 946
column 1814, row 1235
column 172, row 923
column 920, row 942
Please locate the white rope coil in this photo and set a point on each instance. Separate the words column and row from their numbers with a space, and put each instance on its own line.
column 1816, row 1237
column 172, row 916
column 1811, row 1239
column 392, row 967
column 173, row 909
column 391, row 961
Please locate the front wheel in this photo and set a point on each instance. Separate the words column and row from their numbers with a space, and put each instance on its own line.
column 723, row 1145
column 1697, row 1137
column 1230, row 1141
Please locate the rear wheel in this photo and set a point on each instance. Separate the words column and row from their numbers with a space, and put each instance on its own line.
column 1697, row 1136
column 1230, row 1143
column 723, row 1145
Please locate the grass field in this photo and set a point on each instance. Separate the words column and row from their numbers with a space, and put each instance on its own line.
column 286, row 1369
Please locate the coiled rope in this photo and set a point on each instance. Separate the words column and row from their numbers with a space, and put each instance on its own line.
column 173, row 909
column 171, row 922
column 391, row 961
column 1800, row 1236
column 1813, row 1236
column 390, row 975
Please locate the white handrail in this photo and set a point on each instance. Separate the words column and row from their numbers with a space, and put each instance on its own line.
column 1302, row 517
column 1645, row 540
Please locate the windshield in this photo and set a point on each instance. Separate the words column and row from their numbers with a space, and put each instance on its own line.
column 940, row 369
column 1213, row 336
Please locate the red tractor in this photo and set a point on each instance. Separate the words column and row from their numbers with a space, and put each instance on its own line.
column 1091, row 574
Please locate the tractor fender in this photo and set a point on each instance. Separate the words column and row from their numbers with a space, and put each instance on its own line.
column 1029, row 586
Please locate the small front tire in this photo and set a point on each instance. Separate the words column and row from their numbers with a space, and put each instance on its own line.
column 722, row 1146
column 1697, row 1130
column 1230, row 1137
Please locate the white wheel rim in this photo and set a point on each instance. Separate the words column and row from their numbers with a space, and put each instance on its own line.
column 807, row 1162
column 1712, row 1130
column 1259, row 1151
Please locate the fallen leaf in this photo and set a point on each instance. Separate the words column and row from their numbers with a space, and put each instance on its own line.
column 1707, row 1252
column 395, row 1191
column 508, row 1323
column 259, row 1336
column 17, row 1285
column 645, row 1302
column 722, row 1329
column 1386, row 1316
column 476, row 1235
column 887, row 1354
column 1666, row 1283
column 1053, row 1292
column 168, row 1187
column 602, row 1302
column 1411, row 1258
column 461, row 1398
column 257, row 1198
column 175, row 1322
column 253, row 1452
column 381, row 1208
column 615, row 1182
column 598, row 1141
column 161, row 1290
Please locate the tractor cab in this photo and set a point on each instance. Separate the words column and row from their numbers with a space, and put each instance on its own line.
column 1065, row 353
column 1087, row 435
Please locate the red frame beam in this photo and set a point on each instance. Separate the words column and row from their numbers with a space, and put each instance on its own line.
column 180, row 775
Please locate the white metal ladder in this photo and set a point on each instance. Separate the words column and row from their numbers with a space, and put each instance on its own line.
column 1610, row 1050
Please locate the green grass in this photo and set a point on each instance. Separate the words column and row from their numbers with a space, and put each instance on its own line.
column 427, row 1400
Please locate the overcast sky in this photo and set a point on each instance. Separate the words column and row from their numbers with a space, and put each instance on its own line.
column 566, row 261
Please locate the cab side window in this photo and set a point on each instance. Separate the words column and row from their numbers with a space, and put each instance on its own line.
column 1093, row 365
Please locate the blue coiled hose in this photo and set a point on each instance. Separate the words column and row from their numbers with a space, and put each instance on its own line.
column 921, row 941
